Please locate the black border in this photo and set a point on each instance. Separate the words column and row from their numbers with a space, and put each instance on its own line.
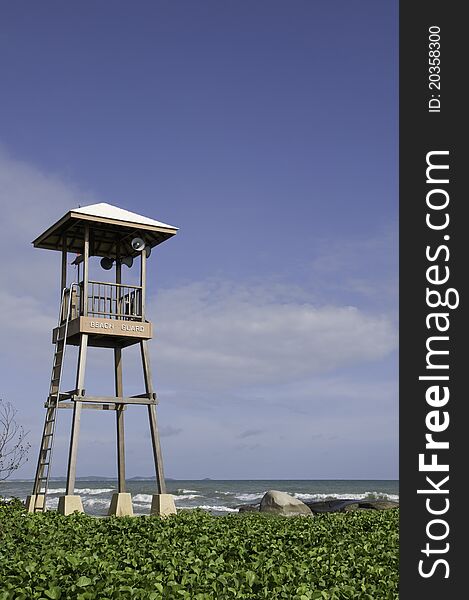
column 420, row 132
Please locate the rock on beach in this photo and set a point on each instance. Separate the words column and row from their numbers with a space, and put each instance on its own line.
column 281, row 503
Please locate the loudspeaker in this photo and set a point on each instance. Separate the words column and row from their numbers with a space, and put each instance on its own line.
column 137, row 244
column 107, row 263
column 127, row 260
column 148, row 250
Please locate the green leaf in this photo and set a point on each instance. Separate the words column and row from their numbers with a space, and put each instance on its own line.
column 346, row 556
column 83, row 581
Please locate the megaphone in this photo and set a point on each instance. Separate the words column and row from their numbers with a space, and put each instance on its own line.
column 137, row 244
column 127, row 260
column 148, row 250
column 107, row 263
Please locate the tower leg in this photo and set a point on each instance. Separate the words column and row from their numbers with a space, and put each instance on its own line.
column 73, row 451
column 155, row 438
column 119, row 421
column 69, row 502
column 162, row 503
column 121, row 503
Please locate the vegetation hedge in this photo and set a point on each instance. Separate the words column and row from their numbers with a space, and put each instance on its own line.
column 195, row 556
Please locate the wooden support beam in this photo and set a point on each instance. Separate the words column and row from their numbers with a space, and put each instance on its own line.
column 86, row 269
column 119, row 391
column 80, row 384
column 155, row 437
column 120, row 449
column 65, row 395
column 89, row 405
column 143, row 281
column 119, row 422
column 146, row 395
column 113, row 400
column 63, row 280
column 73, row 452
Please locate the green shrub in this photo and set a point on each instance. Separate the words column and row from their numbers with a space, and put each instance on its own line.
column 195, row 556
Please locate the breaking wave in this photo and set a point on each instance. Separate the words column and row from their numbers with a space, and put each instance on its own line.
column 249, row 497
column 351, row 496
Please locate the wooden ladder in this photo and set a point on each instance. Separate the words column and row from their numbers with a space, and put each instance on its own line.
column 41, row 481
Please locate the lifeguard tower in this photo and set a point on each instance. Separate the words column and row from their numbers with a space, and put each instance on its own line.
column 105, row 314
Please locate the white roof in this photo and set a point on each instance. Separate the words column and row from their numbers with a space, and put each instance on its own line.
column 108, row 211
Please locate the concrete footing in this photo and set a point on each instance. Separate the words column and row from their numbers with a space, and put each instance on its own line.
column 121, row 505
column 34, row 502
column 69, row 504
column 162, row 505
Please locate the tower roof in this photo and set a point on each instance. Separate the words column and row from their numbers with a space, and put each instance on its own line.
column 111, row 231
column 108, row 211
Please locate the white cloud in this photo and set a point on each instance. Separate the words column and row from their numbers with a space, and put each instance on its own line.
column 363, row 268
column 221, row 334
column 209, row 334
column 265, row 355
column 30, row 202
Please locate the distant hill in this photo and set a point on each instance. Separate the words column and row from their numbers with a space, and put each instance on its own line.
column 94, row 478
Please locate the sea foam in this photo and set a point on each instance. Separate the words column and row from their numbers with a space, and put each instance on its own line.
column 80, row 491
column 249, row 497
column 350, row 496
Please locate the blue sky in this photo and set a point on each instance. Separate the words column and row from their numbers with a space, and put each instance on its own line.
column 266, row 131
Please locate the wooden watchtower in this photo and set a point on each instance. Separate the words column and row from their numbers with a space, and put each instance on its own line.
column 106, row 314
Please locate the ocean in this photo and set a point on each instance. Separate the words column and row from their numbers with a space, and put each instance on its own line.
column 219, row 497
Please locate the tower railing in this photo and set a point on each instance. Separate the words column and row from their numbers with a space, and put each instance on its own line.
column 106, row 300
